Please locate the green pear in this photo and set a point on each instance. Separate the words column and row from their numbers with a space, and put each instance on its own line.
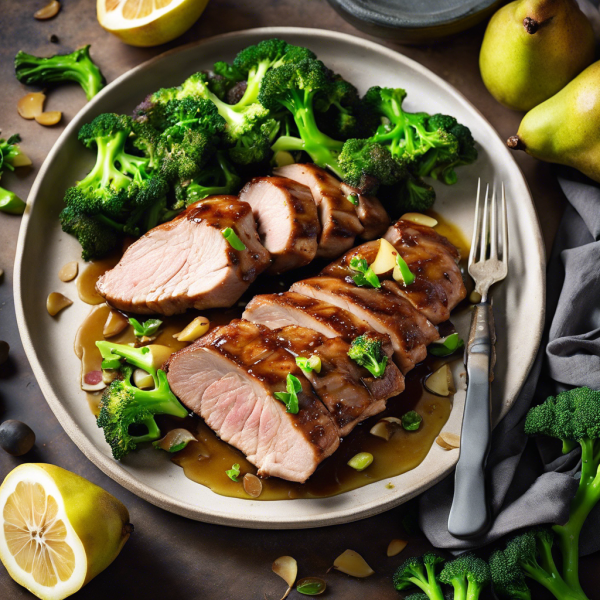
column 532, row 49
column 566, row 128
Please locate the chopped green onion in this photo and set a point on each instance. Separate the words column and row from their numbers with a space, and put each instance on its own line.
column 309, row 364
column 353, row 198
column 447, row 346
column 148, row 328
column 405, row 272
column 234, row 472
column 233, row 240
column 365, row 276
column 411, row 421
column 290, row 398
column 361, row 461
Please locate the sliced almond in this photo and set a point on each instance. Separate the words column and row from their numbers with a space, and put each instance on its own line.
column 49, row 11
column 115, row 323
column 31, row 105
column 395, row 547
column 252, row 485
column 287, row 568
column 353, row 564
column 381, row 429
column 419, row 219
column 197, row 328
column 49, row 118
column 69, row 271
column 386, row 258
column 448, row 441
column 441, row 382
column 56, row 302
column 393, row 420
column 143, row 379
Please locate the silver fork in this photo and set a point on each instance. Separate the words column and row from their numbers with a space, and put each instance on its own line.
column 488, row 264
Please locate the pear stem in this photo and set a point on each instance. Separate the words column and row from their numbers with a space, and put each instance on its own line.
column 514, row 142
column 531, row 25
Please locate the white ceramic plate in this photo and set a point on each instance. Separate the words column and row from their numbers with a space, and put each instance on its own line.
column 43, row 249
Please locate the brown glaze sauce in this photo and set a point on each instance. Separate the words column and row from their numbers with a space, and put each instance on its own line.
column 206, row 460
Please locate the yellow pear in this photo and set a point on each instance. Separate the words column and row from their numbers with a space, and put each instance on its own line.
column 532, row 49
column 58, row 530
column 566, row 128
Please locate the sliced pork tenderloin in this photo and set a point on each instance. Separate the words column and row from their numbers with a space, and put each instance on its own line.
column 339, row 221
column 383, row 310
column 287, row 221
column 187, row 262
column 229, row 378
column 371, row 214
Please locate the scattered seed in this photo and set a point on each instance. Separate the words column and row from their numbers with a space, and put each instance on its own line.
column 4, row 350
column 352, row 563
column 49, row 11
column 448, row 441
column 311, row 586
column 115, row 323
column 47, row 119
column 252, row 485
column 31, row 105
column 287, row 568
column 197, row 328
column 395, row 547
column 56, row 302
column 69, row 271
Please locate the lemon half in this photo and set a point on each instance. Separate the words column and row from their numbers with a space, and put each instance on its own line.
column 148, row 22
column 57, row 530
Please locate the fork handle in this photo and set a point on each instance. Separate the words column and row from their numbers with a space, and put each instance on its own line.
column 470, row 515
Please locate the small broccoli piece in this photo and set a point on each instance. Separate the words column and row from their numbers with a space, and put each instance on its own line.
column 367, row 351
column 468, row 575
column 255, row 145
column 11, row 156
column 95, row 237
column 77, row 66
column 124, row 405
column 508, row 580
column 337, row 110
column 420, row 572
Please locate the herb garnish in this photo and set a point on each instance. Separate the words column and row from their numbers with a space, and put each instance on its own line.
column 233, row 240
column 353, row 198
column 446, row 346
column 411, row 421
column 308, row 365
column 149, row 328
column 290, row 398
column 406, row 274
column 365, row 276
column 234, row 472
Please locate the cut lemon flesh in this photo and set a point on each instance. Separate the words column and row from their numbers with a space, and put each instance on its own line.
column 148, row 22
column 38, row 545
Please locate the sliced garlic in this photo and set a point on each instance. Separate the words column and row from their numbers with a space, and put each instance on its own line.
column 352, row 563
column 56, row 302
column 92, row 381
column 115, row 324
column 69, row 271
column 49, row 118
column 287, row 568
column 393, row 420
column 381, row 430
column 395, row 547
column 448, row 441
column 49, row 11
column 441, row 382
column 175, row 440
column 109, row 375
column 143, row 379
column 31, row 105
column 386, row 258
column 252, row 485
column 419, row 219
column 197, row 328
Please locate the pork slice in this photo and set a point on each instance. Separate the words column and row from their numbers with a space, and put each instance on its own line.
column 229, row 378
column 349, row 391
column 373, row 217
column 339, row 221
column 437, row 278
column 287, row 221
column 386, row 312
column 187, row 263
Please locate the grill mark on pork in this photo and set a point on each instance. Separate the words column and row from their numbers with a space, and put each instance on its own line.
column 373, row 217
column 229, row 376
column 286, row 218
column 187, row 263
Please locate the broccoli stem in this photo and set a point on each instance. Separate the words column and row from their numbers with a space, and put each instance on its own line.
column 255, row 76
column 460, row 590
column 104, row 172
column 11, row 203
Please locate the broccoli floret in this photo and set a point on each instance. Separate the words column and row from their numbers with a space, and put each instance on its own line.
column 411, row 194
column 255, row 146
column 222, row 78
column 367, row 351
column 420, row 572
column 468, row 575
column 124, row 405
column 11, row 156
column 77, row 66
column 507, row 578
column 337, row 109
column 294, row 87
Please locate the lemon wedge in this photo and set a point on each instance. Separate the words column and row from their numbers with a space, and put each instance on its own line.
column 57, row 530
column 148, row 22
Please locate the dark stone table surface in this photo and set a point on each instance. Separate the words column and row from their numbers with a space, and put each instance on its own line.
column 169, row 557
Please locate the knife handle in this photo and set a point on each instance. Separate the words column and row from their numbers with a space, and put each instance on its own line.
column 470, row 514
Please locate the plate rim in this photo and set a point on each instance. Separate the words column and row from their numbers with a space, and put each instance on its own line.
column 113, row 469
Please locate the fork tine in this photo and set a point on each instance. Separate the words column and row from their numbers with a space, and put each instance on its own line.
column 475, row 240
column 504, row 228
column 484, row 226
column 494, row 233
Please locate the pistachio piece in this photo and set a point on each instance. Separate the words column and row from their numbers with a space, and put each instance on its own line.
column 115, row 323
column 175, row 440
column 448, row 441
column 50, row 10
column 419, row 219
column 352, row 563
column 69, row 271
column 386, row 258
column 31, row 105
column 441, row 382
column 311, row 586
column 287, row 568
column 56, row 302
column 361, row 461
column 49, row 118
column 197, row 328
column 252, row 485
column 395, row 547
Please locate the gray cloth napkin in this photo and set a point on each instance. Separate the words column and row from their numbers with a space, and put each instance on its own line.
column 530, row 481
